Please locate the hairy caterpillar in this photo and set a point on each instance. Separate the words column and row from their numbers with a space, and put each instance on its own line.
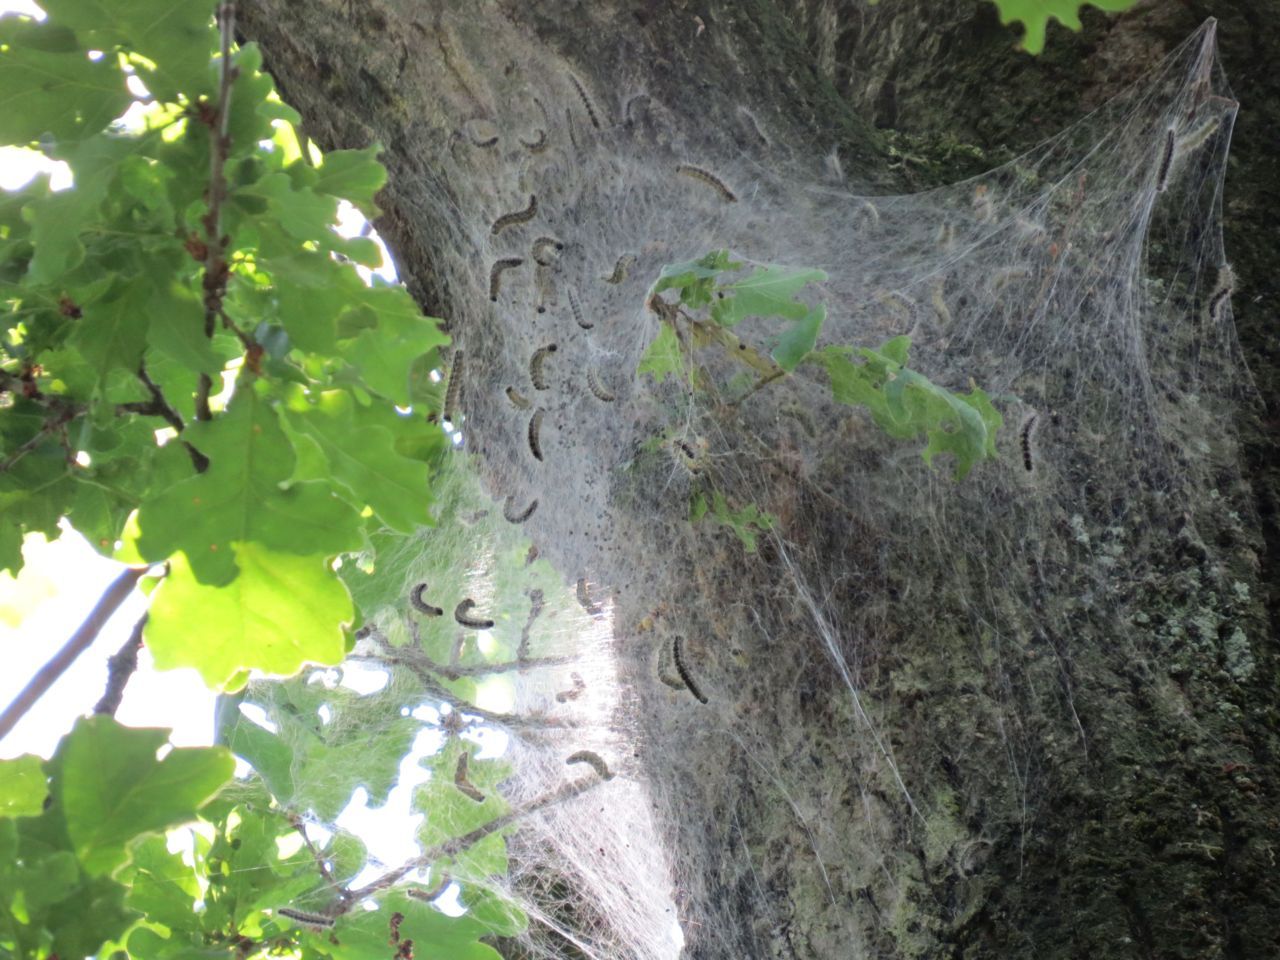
column 597, row 388
column 664, row 672
column 578, row 686
column 586, row 101
column 316, row 921
column 620, row 269
column 511, row 516
column 1024, row 434
column 461, row 613
column 535, row 440
column 545, row 282
column 710, row 179
column 537, row 144
column 495, row 274
column 463, row 784
column 868, row 214
column 752, row 124
column 1166, row 161
column 544, row 250
column 576, row 308
column 416, row 601
column 946, row 236
column 677, row 655
column 1222, row 292
column 454, row 391
column 594, row 759
column 628, row 111
column 584, row 598
column 516, row 218
column 536, row 373
column 517, row 400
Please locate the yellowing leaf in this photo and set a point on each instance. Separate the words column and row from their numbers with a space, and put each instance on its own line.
column 281, row 611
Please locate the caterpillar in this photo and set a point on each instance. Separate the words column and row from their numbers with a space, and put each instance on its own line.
column 578, row 686
column 535, row 441
column 939, row 304
column 511, row 516
column 584, row 598
column 982, row 203
column 516, row 218
column 431, row 892
column 678, row 656
column 1222, row 292
column 396, row 919
column 517, row 400
column 664, row 672
column 597, row 388
column 416, row 601
column 495, row 274
column 477, row 136
column 462, row 611
column 586, row 101
column 1024, row 434
column 752, row 124
column 868, row 214
column 464, row 785
column 801, row 416
column 537, row 144
column 316, row 921
column 576, row 307
column 620, row 269
column 546, row 285
column 628, row 112
column 536, row 373
column 1166, row 162
column 454, row 392
column 544, row 250
column 946, row 236
column 594, row 759
column 710, row 179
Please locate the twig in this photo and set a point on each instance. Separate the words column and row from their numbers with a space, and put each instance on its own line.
column 321, row 864
column 216, row 269
column 451, row 848
column 107, row 605
column 49, row 426
column 120, row 667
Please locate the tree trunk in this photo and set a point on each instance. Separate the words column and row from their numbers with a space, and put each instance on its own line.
column 1030, row 713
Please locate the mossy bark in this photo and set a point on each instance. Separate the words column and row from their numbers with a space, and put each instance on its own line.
column 1128, row 809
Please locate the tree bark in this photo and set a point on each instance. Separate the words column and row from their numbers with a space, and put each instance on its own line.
column 923, row 737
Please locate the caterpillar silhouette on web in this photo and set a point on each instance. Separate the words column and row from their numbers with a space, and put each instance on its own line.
column 517, row 399
column 1222, row 291
column 1166, row 162
column 595, row 761
column 584, row 598
column 620, row 269
column 495, row 274
column 516, row 218
column 536, row 363
column 421, row 605
column 1028, row 427
column 677, row 655
column 597, row 388
column 511, row 515
column 545, row 249
column 454, row 391
column 535, row 435
column 710, row 179
column 579, row 685
column 576, row 307
column 462, row 614
column 587, row 102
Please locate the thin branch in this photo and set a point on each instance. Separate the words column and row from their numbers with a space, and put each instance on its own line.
column 161, row 405
column 451, row 848
column 107, row 605
column 322, row 865
column 216, row 269
column 120, row 667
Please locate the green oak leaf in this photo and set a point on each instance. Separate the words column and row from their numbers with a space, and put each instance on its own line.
column 383, row 354
column 241, row 497
column 662, row 358
column 111, row 788
column 359, row 446
column 113, row 333
column 282, row 611
column 22, row 786
column 695, row 279
column 769, row 291
column 1036, row 14
column 794, row 345
column 162, row 887
column 362, row 935
column 49, row 87
column 178, row 38
column 353, row 175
